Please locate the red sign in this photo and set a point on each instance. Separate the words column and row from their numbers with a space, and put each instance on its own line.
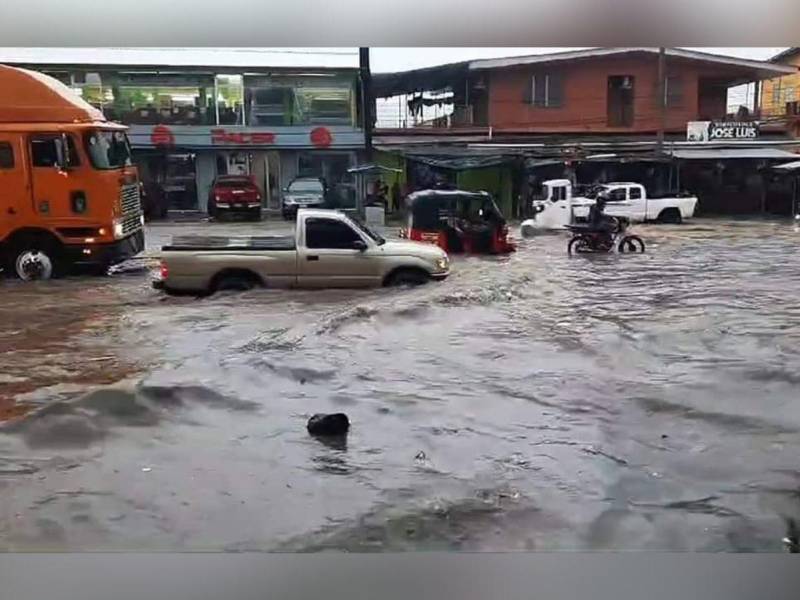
column 241, row 138
column 162, row 136
column 321, row 137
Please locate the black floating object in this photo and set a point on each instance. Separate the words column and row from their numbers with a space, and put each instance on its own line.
column 328, row 425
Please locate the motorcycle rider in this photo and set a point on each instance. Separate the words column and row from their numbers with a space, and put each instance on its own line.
column 599, row 222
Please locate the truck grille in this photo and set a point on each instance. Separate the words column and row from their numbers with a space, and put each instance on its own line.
column 131, row 223
column 129, row 199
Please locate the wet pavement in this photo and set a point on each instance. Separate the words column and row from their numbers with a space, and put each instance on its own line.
column 530, row 402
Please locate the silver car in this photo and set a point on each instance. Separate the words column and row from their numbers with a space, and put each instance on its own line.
column 303, row 192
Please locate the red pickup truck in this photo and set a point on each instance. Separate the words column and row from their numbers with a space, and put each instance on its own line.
column 234, row 194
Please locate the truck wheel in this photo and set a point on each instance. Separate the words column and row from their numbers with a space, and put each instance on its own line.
column 235, row 282
column 670, row 215
column 35, row 259
column 408, row 277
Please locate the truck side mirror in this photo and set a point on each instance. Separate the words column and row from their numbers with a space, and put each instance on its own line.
column 63, row 161
column 359, row 245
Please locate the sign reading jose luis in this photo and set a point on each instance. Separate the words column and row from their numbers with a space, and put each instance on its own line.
column 712, row 131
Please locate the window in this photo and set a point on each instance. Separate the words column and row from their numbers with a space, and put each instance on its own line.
column 6, row 156
column 635, row 193
column 673, row 92
column 108, row 149
column 617, row 195
column 327, row 233
column 545, row 90
column 559, row 193
column 45, row 151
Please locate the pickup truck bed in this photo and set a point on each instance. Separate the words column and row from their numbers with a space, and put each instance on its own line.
column 233, row 244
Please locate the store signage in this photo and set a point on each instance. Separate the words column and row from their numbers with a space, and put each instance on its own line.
column 713, row 131
column 162, row 136
column 241, row 138
column 233, row 136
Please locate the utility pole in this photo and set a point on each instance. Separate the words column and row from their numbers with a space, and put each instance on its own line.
column 367, row 101
column 662, row 101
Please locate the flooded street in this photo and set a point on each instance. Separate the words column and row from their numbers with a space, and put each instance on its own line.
column 529, row 402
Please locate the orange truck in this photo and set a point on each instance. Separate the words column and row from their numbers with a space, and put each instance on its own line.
column 69, row 193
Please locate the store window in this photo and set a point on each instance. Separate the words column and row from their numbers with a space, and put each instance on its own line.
column 230, row 99
column 307, row 100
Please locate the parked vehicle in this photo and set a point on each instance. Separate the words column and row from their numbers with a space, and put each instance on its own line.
column 303, row 192
column 68, row 189
column 559, row 208
column 586, row 239
column 328, row 249
column 234, row 195
column 457, row 221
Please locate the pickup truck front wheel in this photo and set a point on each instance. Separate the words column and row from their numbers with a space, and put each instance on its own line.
column 407, row 277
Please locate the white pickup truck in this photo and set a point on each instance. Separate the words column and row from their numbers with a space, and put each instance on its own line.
column 328, row 249
column 559, row 208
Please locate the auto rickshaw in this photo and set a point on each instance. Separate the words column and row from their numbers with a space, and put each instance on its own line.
column 457, row 221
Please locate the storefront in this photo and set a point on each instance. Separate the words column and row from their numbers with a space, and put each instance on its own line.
column 273, row 157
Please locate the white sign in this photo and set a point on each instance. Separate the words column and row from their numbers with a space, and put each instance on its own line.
column 712, row 131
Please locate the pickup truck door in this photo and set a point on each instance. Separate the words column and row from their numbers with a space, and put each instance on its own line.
column 638, row 203
column 618, row 204
column 326, row 256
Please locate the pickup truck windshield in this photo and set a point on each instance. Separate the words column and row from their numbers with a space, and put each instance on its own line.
column 371, row 234
column 108, row 149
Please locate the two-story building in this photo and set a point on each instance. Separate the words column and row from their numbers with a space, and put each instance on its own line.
column 195, row 114
column 780, row 96
column 592, row 115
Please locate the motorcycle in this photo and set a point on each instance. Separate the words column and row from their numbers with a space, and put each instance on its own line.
column 586, row 239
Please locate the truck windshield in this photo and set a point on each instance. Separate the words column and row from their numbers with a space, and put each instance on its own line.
column 374, row 236
column 108, row 149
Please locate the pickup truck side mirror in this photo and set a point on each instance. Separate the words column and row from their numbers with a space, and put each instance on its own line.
column 359, row 245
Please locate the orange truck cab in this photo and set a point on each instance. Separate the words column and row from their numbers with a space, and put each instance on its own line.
column 69, row 193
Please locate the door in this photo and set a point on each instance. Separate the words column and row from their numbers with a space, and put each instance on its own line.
column 638, row 204
column 328, row 258
column 54, row 189
column 14, row 184
column 618, row 204
column 620, row 101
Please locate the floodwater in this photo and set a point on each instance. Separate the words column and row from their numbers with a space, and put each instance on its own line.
column 531, row 402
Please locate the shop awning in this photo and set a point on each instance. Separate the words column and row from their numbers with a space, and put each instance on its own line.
column 732, row 153
column 372, row 169
column 462, row 163
column 787, row 167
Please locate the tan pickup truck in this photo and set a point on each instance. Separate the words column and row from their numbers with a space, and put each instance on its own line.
column 328, row 249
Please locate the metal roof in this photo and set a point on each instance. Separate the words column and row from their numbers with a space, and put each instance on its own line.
column 497, row 63
column 238, row 58
column 785, row 54
column 727, row 153
column 790, row 166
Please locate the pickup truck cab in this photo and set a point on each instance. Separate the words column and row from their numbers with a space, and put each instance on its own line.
column 559, row 207
column 328, row 249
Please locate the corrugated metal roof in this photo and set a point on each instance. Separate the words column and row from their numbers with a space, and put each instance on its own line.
column 727, row 153
column 790, row 166
column 320, row 58
column 496, row 63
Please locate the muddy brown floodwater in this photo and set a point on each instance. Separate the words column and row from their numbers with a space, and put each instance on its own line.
column 531, row 402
